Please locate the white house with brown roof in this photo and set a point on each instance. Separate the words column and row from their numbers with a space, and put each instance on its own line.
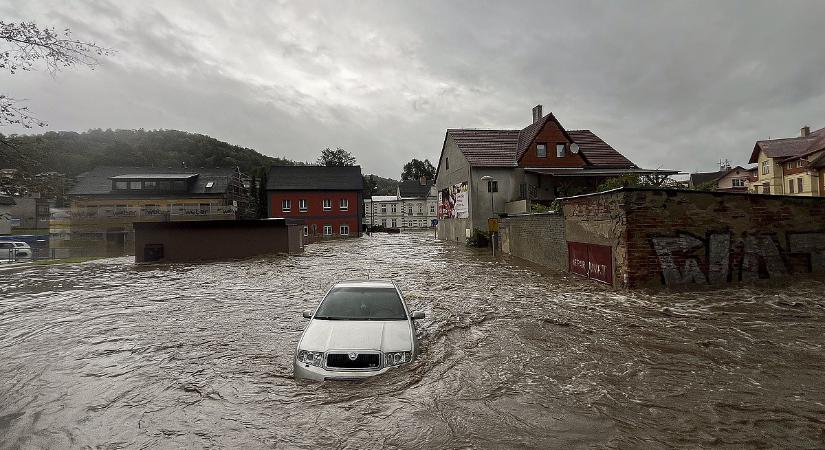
column 727, row 179
column 790, row 166
column 483, row 173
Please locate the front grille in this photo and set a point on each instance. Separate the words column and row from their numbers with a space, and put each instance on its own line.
column 362, row 361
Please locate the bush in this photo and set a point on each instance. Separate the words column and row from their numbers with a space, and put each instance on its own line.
column 478, row 238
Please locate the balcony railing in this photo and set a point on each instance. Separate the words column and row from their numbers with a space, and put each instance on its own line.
column 138, row 213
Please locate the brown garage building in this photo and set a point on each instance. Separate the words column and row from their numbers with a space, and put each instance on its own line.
column 216, row 239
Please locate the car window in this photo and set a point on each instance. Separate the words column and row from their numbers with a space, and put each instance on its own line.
column 18, row 244
column 6, row 245
column 361, row 303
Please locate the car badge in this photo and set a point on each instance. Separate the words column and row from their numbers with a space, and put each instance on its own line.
column 352, row 356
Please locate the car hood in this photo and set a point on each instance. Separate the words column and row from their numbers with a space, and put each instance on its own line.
column 389, row 336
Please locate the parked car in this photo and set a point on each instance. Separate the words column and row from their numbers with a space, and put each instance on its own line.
column 360, row 329
column 15, row 250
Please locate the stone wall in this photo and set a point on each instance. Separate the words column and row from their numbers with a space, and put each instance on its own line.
column 537, row 238
column 675, row 237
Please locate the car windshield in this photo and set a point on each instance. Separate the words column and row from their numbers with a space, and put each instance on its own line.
column 361, row 303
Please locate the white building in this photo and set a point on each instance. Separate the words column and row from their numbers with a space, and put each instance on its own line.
column 413, row 206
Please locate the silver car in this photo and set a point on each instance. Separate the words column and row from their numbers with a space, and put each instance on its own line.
column 360, row 329
column 12, row 250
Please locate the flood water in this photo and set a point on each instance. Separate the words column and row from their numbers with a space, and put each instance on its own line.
column 107, row 354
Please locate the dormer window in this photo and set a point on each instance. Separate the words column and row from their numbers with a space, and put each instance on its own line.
column 560, row 151
column 541, row 150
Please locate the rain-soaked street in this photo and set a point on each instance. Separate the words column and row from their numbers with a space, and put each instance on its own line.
column 113, row 355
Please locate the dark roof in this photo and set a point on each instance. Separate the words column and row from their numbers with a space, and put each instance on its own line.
column 487, row 148
column 98, row 181
column 7, row 200
column 314, row 178
column 504, row 148
column 595, row 171
column 700, row 178
column 155, row 176
column 598, row 152
column 789, row 147
column 414, row 188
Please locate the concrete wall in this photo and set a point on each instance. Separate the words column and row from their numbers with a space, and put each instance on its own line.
column 538, row 238
column 508, row 179
column 220, row 239
column 676, row 238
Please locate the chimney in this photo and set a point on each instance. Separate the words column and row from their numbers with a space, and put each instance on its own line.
column 423, row 181
column 806, row 130
column 537, row 115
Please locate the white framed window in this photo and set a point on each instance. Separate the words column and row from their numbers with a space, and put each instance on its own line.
column 394, row 223
column 409, row 210
column 306, row 231
column 327, row 204
column 344, row 204
column 541, row 150
column 800, row 184
column 286, row 205
column 790, row 165
column 383, row 209
column 302, row 205
column 432, row 209
column 799, row 163
column 344, row 230
column 327, row 230
column 560, row 153
column 738, row 182
column 384, row 223
column 766, row 167
column 420, row 208
column 392, row 208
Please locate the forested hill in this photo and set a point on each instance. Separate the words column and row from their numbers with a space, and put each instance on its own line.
column 73, row 153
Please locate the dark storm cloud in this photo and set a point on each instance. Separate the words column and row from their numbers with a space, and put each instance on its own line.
column 670, row 84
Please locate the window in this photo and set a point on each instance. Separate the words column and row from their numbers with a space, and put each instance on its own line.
column 541, row 150
column 306, row 231
column 738, row 182
column 384, row 223
column 409, row 210
column 392, row 208
column 344, row 205
column 420, row 208
column 800, row 184
column 360, row 303
column 492, row 186
column 136, row 185
column 447, row 163
column 394, row 223
column 327, row 204
column 790, row 186
column 165, row 185
column 150, row 185
column 766, row 167
column 286, row 205
column 560, row 150
column 432, row 209
column 327, row 230
column 302, row 205
column 766, row 188
column 790, row 165
column 121, row 185
column 799, row 163
column 344, row 230
column 383, row 209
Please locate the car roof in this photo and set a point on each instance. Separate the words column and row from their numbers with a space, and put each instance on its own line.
column 366, row 283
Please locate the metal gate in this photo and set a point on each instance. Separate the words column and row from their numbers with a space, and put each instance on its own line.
column 591, row 261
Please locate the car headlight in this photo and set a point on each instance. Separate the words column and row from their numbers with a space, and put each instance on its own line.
column 311, row 358
column 396, row 358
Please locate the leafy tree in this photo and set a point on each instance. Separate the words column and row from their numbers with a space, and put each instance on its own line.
column 337, row 157
column 24, row 45
column 262, row 197
column 370, row 186
column 416, row 169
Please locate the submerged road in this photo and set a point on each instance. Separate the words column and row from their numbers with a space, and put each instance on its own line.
column 112, row 355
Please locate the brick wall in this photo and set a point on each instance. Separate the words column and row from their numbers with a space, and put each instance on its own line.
column 674, row 238
column 537, row 238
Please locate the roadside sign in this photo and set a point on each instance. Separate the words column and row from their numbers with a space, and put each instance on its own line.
column 492, row 225
column 435, row 222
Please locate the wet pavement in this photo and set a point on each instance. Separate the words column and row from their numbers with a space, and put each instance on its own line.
column 107, row 354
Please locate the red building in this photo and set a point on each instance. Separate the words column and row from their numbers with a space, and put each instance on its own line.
column 327, row 198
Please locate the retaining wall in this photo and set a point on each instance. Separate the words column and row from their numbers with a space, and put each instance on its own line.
column 537, row 238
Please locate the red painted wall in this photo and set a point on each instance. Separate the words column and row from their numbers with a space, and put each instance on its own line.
column 551, row 135
column 315, row 213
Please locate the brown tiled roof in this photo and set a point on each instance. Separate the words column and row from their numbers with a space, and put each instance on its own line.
column 789, row 147
column 488, row 148
column 598, row 152
column 503, row 148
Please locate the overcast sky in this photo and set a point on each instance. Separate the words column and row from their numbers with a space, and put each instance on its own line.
column 675, row 85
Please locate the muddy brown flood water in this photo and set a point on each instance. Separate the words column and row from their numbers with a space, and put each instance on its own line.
column 112, row 355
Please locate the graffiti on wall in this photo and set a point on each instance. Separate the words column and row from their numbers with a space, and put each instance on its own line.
column 721, row 257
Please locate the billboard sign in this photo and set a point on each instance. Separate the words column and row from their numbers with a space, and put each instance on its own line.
column 454, row 202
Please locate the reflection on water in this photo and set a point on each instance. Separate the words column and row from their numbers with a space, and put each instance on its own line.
column 109, row 354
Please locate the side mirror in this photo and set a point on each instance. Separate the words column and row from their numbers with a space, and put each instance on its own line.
column 417, row 315
column 307, row 314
